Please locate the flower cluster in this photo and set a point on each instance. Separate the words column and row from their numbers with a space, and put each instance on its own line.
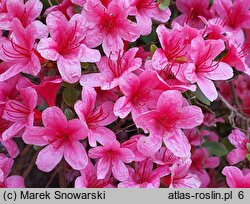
column 125, row 93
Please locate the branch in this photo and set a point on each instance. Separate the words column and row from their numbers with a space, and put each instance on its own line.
column 235, row 112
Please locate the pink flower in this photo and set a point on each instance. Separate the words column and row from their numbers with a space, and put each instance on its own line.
column 139, row 94
column 201, row 161
column 96, row 117
column 61, row 138
column 204, row 69
column 193, row 136
column 165, row 157
column 171, row 115
column 5, row 168
column 79, row 2
column 88, row 178
column 112, row 70
column 228, row 12
column 181, row 177
column 9, row 144
column 21, row 112
column 236, row 56
column 111, row 157
column 210, row 120
column 66, row 7
column 175, row 44
column 66, row 45
column 236, row 178
column 8, row 91
column 144, row 10
column 247, row 46
column 26, row 13
column 144, row 176
column 239, row 140
column 132, row 145
column 19, row 53
column 191, row 11
column 53, row 85
column 109, row 26
column 168, row 80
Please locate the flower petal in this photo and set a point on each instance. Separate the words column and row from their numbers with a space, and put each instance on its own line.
column 69, row 69
column 48, row 158
column 75, row 155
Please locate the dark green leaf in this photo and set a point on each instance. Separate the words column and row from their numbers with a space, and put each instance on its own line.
column 70, row 95
column 149, row 38
column 215, row 148
column 69, row 114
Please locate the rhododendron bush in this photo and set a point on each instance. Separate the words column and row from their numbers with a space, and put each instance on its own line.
column 125, row 93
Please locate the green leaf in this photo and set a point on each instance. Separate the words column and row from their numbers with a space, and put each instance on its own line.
column 248, row 146
column 150, row 37
column 215, row 148
column 211, row 2
column 69, row 114
column 248, row 157
column 153, row 48
column 201, row 97
column 225, row 141
column 163, row 4
column 70, row 95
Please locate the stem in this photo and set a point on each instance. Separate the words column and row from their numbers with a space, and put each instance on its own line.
column 121, row 130
column 235, row 112
column 50, row 3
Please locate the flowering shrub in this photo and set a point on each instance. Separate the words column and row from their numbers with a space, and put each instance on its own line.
column 125, row 93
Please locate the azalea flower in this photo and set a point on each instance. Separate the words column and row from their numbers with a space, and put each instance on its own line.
column 181, row 177
column 144, row 176
column 96, row 117
column 109, row 26
column 9, row 144
column 200, row 162
column 132, row 145
column 111, row 157
column 228, row 12
column 193, row 136
column 236, row 56
column 49, row 84
column 9, row 181
column 66, row 45
column 139, row 94
column 145, row 11
column 21, row 112
column 79, row 2
column 191, row 12
column 111, row 71
column 66, row 7
column 204, row 69
column 88, row 178
column 166, row 121
column 26, row 13
column 236, row 178
column 61, row 138
column 175, row 44
column 19, row 52
column 239, row 140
